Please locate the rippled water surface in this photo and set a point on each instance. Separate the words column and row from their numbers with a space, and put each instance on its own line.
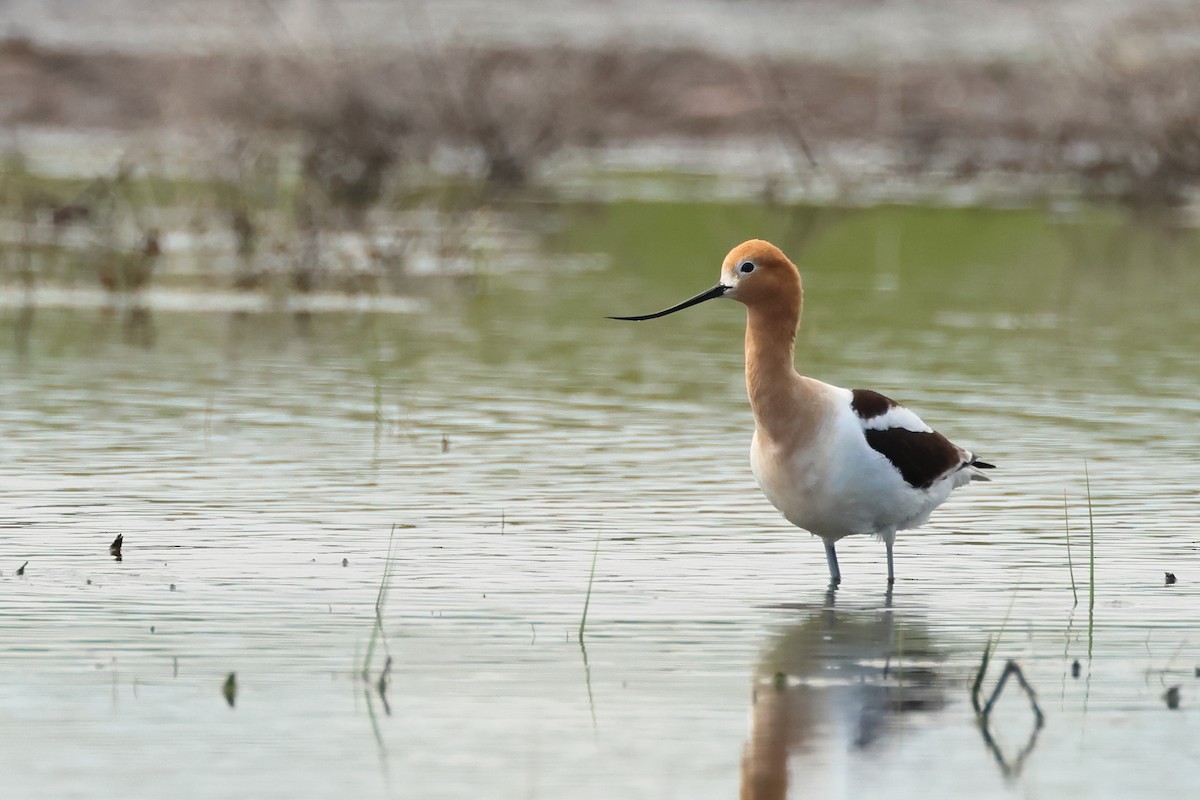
column 256, row 465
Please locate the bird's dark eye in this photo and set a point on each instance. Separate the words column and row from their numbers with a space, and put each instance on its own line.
column 747, row 267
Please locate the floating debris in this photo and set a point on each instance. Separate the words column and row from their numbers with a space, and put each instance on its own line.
column 1172, row 697
column 21, row 569
column 114, row 549
column 1170, row 577
column 1075, row 668
column 229, row 690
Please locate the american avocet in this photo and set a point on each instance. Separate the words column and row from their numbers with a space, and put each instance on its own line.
column 834, row 461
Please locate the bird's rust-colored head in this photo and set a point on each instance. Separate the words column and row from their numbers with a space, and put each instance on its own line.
column 758, row 274
column 755, row 273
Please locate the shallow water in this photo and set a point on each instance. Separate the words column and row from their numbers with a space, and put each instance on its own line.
column 505, row 428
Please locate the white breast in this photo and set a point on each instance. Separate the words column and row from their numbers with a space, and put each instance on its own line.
column 837, row 485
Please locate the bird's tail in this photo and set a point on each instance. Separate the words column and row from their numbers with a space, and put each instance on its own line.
column 976, row 465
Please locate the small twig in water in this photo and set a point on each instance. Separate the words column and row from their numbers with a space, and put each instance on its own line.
column 1070, row 562
column 1091, row 562
column 377, row 629
column 384, row 674
column 382, row 685
column 378, row 735
column 591, row 577
column 983, row 714
column 978, row 684
column 1011, row 668
column 587, row 676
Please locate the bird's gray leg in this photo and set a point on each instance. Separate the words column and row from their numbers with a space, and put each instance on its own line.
column 891, row 567
column 835, row 574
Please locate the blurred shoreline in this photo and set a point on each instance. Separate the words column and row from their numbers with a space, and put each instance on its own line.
column 846, row 31
column 306, row 147
column 1106, row 110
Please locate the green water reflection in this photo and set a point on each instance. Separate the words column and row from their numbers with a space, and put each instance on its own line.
column 506, row 424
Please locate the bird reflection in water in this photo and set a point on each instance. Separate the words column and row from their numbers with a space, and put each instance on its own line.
column 835, row 678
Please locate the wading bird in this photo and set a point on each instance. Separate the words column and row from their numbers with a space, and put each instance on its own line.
column 835, row 462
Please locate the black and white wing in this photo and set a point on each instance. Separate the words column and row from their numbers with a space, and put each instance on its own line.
column 920, row 454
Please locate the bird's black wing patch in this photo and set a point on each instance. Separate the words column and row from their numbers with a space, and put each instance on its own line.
column 921, row 456
column 868, row 404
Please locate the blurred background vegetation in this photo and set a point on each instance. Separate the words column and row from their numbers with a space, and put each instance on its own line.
column 317, row 146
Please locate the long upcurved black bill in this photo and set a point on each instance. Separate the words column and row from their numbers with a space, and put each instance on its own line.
column 715, row 291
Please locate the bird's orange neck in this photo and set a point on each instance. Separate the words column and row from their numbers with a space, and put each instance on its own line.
column 777, row 393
